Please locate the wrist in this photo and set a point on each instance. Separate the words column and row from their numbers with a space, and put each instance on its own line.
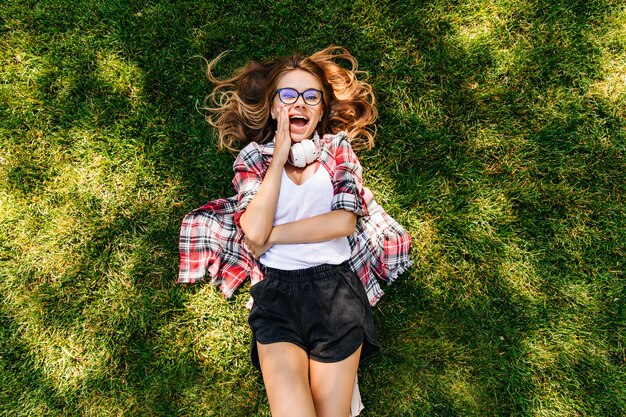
column 279, row 158
column 272, row 239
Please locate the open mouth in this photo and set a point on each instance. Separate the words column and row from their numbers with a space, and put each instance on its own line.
column 298, row 121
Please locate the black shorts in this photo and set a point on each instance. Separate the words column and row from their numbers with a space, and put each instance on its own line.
column 323, row 309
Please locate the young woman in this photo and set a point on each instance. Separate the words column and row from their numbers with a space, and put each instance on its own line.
column 302, row 226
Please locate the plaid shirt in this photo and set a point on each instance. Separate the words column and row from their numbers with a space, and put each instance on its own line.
column 212, row 240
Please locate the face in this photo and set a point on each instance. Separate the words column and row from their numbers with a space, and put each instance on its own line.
column 303, row 117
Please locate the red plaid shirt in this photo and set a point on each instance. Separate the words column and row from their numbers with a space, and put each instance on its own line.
column 211, row 239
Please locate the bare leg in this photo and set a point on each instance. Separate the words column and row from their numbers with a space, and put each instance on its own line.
column 332, row 385
column 285, row 369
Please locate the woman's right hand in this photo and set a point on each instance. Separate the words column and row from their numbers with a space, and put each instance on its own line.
column 283, row 136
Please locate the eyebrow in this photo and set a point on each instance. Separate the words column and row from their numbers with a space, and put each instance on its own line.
column 295, row 89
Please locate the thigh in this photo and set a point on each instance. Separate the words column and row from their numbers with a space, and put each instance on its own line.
column 285, row 369
column 332, row 385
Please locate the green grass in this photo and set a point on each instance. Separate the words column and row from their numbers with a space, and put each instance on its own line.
column 501, row 148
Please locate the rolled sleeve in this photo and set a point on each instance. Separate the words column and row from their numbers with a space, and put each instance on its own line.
column 347, row 179
column 249, row 171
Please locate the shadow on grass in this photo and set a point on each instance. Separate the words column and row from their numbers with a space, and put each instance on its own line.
column 488, row 149
column 507, row 177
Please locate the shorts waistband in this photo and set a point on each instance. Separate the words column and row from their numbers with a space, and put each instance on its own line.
column 304, row 275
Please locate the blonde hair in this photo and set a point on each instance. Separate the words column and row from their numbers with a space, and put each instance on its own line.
column 239, row 107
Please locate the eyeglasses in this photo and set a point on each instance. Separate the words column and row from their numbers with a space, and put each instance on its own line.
column 312, row 97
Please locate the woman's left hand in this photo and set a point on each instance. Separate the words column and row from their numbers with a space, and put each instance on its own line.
column 257, row 250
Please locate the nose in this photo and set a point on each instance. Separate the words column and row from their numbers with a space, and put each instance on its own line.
column 299, row 101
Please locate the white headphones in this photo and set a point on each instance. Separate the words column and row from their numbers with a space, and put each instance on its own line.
column 304, row 152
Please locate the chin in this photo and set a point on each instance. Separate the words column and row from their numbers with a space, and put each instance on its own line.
column 298, row 137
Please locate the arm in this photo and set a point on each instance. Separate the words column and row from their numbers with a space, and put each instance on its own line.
column 327, row 226
column 257, row 221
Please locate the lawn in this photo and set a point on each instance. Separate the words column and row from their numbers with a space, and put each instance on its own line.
column 501, row 148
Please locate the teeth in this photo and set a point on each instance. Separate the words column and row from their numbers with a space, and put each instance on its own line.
column 298, row 120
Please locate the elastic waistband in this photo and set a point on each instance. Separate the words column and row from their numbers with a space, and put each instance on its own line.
column 304, row 275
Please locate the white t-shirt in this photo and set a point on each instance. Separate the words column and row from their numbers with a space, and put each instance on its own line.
column 297, row 202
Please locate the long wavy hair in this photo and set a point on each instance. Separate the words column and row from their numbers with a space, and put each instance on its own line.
column 239, row 107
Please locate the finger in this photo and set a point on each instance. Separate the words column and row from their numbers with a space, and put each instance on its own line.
column 283, row 134
column 283, row 120
column 285, row 117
